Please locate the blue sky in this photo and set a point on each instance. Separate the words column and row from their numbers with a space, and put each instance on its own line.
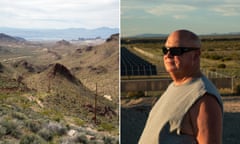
column 59, row 13
column 165, row 16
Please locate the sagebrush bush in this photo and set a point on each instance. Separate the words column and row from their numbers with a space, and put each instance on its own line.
column 32, row 139
column 81, row 139
column 46, row 134
column 57, row 128
column 3, row 131
column 110, row 140
column 19, row 116
column 11, row 128
column 33, row 125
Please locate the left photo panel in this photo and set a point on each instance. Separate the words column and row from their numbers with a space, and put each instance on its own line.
column 59, row 71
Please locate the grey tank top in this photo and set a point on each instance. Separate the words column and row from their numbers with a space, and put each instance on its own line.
column 164, row 122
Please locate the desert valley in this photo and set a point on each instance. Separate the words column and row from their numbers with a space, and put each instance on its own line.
column 59, row 91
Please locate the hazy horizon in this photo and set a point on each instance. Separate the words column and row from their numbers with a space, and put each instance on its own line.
column 58, row 34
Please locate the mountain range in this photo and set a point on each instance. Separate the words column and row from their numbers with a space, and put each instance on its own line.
column 161, row 35
column 57, row 34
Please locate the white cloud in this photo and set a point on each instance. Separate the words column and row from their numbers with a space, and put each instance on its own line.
column 178, row 11
column 59, row 13
column 180, row 16
column 227, row 10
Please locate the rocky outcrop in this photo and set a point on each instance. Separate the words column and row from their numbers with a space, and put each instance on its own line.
column 64, row 43
column 63, row 71
column 114, row 37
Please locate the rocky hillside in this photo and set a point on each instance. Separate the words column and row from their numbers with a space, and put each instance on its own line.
column 26, row 119
column 4, row 38
column 70, row 88
column 59, row 89
column 97, row 64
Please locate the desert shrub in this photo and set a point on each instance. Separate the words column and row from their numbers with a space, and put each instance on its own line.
column 46, row 134
column 11, row 128
column 52, row 129
column 78, row 139
column 33, row 125
column 32, row 139
column 5, row 141
column 95, row 142
column 221, row 66
column 19, row 115
column 81, row 139
column 210, row 49
column 57, row 128
column 215, row 57
column 3, row 131
column 109, row 140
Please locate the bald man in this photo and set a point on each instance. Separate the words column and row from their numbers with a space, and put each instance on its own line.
column 190, row 111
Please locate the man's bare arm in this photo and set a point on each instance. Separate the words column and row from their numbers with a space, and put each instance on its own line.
column 207, row 120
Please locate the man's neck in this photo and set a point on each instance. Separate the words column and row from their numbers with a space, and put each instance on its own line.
column 180, row 79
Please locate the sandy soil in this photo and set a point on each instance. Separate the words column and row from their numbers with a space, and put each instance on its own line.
column 231, row 104
column 135, row 112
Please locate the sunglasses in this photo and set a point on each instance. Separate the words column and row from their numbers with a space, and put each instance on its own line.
column 177, row 51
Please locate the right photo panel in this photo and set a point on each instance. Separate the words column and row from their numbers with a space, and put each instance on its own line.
column 179, row 72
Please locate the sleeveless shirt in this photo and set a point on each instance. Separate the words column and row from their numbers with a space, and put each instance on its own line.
column 164, row 122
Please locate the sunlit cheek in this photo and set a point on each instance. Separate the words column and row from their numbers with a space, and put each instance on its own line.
column 170, row 66
column 177, row 63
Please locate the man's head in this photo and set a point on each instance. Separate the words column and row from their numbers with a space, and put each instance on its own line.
column 182, row 53
column 183, row 38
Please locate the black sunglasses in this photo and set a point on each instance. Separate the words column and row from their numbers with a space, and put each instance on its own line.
column 177, row 51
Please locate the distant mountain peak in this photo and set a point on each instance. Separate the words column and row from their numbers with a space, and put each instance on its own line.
column 7, row 38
